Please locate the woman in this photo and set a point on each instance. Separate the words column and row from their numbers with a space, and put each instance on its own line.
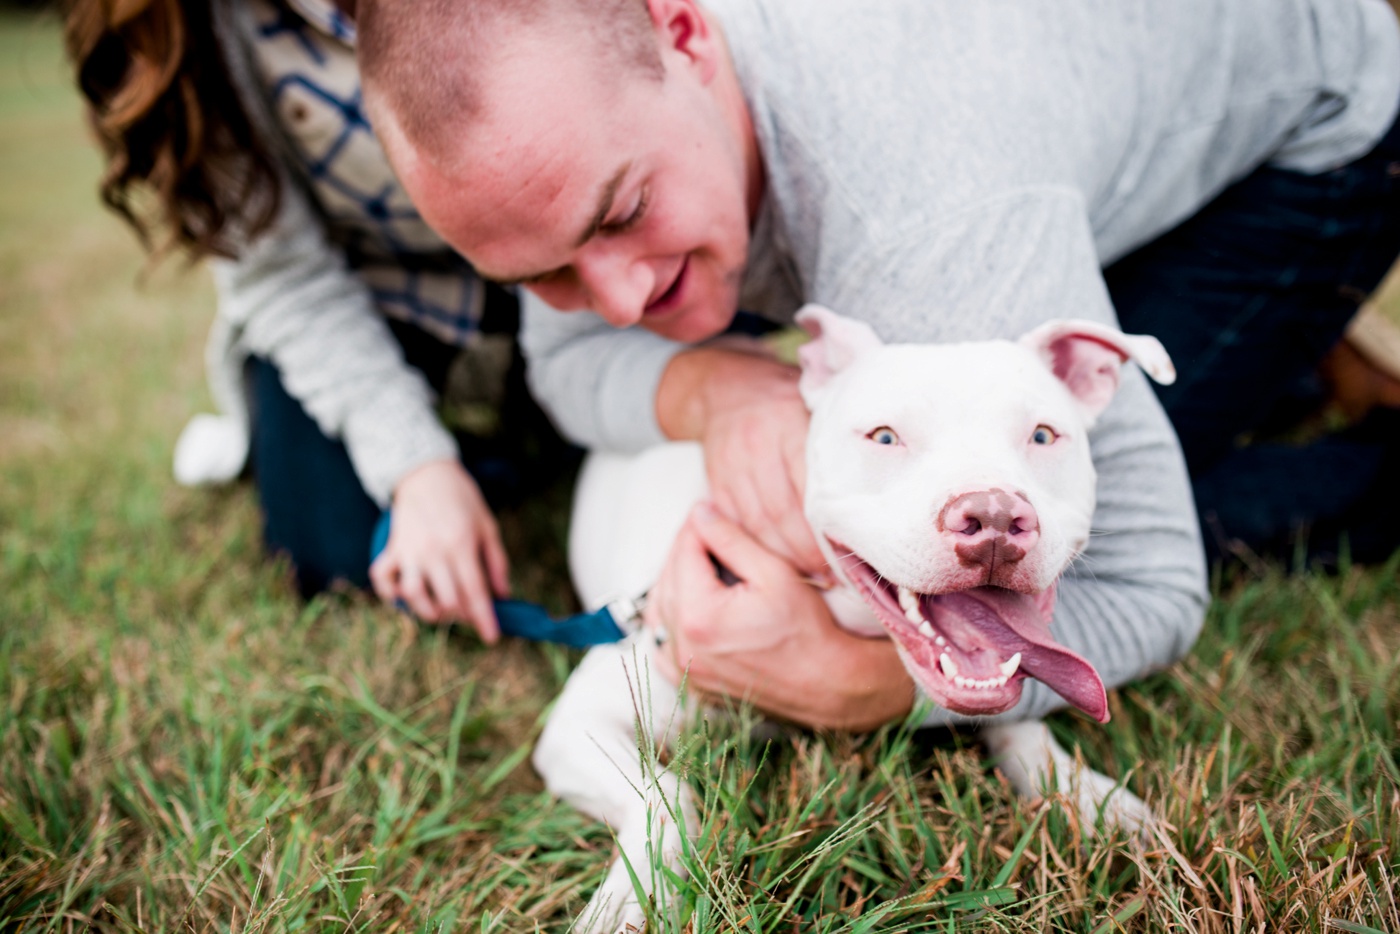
column 233, row 132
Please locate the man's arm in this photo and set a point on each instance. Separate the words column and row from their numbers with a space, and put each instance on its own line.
column 745, row 410
column 622, row 390
column 598, row 383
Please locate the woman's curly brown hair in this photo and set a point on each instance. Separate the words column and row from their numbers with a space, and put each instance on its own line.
column 184, row 166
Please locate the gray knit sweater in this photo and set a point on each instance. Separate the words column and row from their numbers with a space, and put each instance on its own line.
column 291, row 298
column 953, row 171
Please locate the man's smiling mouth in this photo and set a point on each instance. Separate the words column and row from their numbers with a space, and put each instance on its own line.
column 668, row 299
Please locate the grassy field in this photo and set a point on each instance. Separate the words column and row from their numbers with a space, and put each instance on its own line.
column 184, row 746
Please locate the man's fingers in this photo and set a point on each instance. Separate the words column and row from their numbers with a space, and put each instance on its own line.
column 797, row 531
column 688, row 574
column 739, row 504
column 771, row 511
column 762, row 512
column 732, row 546
column 801, row 545
column 665, row 661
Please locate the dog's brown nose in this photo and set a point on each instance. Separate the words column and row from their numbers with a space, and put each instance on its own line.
column 990, row 528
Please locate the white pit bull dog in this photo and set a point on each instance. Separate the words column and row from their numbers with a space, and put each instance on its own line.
column 948, row 485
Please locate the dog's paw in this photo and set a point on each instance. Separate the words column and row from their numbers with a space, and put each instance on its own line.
column 1035, row 764
column 613, row 909
column 1095, row 795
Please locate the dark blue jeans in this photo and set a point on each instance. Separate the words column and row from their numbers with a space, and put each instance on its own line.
column 314, row 509
column 1248, row 296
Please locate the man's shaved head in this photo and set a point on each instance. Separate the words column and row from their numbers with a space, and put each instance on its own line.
column 424, row 60
column 598, row 152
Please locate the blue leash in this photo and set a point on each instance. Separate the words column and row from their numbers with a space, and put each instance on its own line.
column 526, row 620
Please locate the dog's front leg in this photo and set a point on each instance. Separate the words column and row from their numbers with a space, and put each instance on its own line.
column 1034, row 764
column 594, row 756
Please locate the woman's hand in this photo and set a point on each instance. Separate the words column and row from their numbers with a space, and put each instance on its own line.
column 768, row 639
column 444, row 557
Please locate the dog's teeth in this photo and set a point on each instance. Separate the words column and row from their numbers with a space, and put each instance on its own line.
column 926, row 629
column 1008, row 667
column 909, row 603
column 961, row 681
column 940, row 640
column 949, row 667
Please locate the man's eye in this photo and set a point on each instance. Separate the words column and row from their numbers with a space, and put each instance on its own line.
column 883, row 435
column 632, row 219
column 1044, row 434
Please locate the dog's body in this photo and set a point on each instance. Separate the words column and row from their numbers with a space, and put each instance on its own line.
column 948, row 485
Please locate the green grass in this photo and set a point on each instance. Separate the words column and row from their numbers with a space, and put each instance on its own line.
column 185, row 747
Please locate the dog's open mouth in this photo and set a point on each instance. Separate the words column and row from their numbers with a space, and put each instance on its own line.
column 971, row 650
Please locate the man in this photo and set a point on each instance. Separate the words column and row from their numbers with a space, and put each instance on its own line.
column 942, row 171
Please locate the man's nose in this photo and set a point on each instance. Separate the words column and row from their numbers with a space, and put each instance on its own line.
column 618, row 287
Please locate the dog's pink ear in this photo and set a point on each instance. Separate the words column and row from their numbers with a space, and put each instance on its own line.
column 836, row 342
column 1087, row 358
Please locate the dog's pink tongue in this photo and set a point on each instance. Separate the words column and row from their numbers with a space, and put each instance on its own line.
column 1013, row 622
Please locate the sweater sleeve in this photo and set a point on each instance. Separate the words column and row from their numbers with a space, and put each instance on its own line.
column 1135, row 600
column 598, row 383
column 292, row 300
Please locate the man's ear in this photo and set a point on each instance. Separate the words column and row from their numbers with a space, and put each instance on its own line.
column 1087, row 358
column 681, row 28
column 836, row 343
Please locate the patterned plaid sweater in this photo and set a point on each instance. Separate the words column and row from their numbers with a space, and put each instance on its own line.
column 347, row 249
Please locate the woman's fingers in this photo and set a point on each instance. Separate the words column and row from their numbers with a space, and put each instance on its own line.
column 476, row 595
column 413, row 590
column 384, row 576
column 497, row 562
column 444, row 592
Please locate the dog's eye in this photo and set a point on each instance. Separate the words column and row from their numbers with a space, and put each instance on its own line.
column 883, row 435
column 1043, row 434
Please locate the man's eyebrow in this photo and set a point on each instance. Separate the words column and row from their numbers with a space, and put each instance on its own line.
column 605, row 204
column 606, row 195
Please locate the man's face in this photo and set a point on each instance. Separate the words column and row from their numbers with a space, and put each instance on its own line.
column 620, row 193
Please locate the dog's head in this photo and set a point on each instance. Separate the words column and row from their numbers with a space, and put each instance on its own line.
column 951, row 485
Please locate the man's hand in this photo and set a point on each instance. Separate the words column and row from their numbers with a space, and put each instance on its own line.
column 768, row 639
column 444, row 557
column 745, row 410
